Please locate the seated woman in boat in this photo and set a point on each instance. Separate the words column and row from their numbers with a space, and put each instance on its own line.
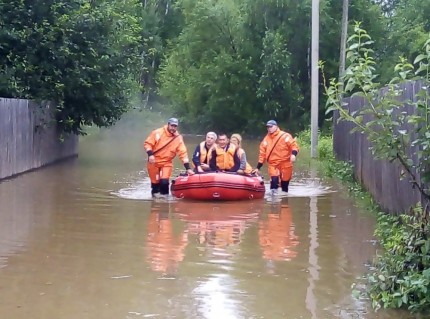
column 202, row 152
column 223, row 156
column 245, row 167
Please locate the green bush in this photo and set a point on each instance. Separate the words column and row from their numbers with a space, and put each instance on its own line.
column 401, row 275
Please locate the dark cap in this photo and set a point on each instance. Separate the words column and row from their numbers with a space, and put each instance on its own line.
column 173, row 121
column 271, row 123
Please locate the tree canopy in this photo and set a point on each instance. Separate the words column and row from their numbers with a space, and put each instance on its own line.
column 81, row 55
column 226, row 64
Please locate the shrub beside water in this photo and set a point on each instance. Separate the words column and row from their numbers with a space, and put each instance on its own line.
column 400, row 274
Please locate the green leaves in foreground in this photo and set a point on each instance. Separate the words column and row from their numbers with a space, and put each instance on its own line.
column 397, row 127
column 400, row 277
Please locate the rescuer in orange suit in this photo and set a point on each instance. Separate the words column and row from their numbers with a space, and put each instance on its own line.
column 279, row 149
column 162, row 145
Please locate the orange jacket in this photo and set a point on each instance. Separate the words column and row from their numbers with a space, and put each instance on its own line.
column 175, row 146
column 277, row 147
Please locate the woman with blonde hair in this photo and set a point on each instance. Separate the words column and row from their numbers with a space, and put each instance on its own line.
column 244, row 168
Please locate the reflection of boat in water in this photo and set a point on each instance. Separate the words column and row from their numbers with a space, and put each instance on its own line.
column 218, row 186
column 220, row 224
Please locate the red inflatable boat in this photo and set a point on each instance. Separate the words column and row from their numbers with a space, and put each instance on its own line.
column 218, row 186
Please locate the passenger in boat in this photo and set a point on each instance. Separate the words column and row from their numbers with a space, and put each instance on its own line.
column 202, row 152
column 245, row 167
column 224, row 156
column 279, row 149
column 162, row 145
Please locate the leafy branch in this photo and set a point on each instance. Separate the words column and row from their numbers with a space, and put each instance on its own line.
column 392, row 129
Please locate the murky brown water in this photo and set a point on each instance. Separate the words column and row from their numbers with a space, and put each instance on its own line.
column 82, row 239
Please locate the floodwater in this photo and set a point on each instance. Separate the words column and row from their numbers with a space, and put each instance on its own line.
column 83, row 239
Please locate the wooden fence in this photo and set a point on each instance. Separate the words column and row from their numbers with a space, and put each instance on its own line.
column 380, row 177
column 29, row 137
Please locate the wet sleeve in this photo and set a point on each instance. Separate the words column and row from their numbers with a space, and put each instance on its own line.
column 262, row 153
column 212, row 161
column 236, row 160
column 182, row 151
column 243, row 161
column 149, row 143
column 196, row 156
column 294, row 147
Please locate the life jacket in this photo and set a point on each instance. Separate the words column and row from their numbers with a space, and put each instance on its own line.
column 248, row 167
column 225, row 158
column 204, row 153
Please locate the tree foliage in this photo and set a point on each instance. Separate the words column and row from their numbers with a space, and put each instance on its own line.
column 401, row 278
column 81, row 55
column 245, row 58
column 229, row 60
column 389, row 135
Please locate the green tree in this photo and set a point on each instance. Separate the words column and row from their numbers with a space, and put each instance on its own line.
column 82, row 55
column 161, row 21
column 407, row 29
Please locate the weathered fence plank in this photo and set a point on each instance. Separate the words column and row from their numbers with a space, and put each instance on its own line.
column 380, row 177
column 29, row 137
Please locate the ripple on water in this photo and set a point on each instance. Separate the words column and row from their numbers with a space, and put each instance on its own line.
column 136, row 190
column 141, row 190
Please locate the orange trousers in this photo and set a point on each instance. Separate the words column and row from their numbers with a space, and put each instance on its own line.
column 159, row 171
column 284, row 170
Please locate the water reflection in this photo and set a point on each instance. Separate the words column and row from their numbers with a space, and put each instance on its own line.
column 165, row 248
column 216, row 228
column 84, row 239
column 276, row 234
column 218, row 225
column 313, row 269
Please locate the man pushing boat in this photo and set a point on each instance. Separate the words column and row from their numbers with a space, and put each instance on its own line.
column 162, row 145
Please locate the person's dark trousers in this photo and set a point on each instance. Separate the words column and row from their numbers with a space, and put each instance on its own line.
column 164, row 186
column 284, row 186
column 274, row 182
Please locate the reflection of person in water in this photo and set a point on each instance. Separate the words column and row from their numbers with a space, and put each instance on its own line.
column 165, row 249
column 276, row 234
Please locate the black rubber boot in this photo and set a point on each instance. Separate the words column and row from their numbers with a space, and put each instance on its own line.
column 274, row 182
column 284, row 186
column 155, row 188
column 164, row 186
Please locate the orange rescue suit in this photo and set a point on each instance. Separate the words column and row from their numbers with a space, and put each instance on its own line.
column 276, row 149
column 164, row 147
